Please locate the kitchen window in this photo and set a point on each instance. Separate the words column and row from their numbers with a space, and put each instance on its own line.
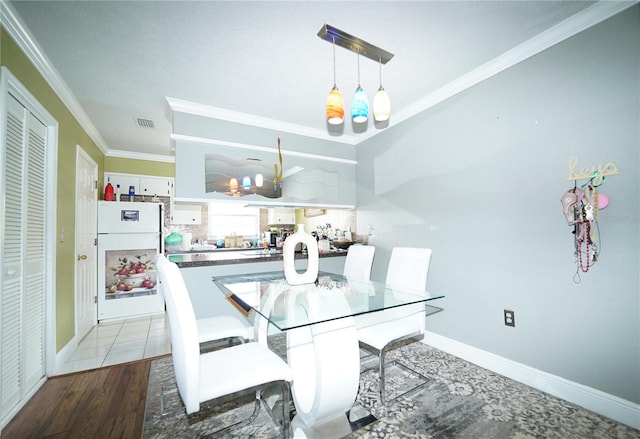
column 227, row 219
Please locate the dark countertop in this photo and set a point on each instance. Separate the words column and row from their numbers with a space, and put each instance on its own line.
column 203, row 259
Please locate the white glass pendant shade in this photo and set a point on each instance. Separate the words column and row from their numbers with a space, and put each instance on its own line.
column 359, row 106
column 335, row 107
column 381, row 105
column 246, row 183
column 259, row 180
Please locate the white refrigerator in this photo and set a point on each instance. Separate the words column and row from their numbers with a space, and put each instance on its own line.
column 129, row 238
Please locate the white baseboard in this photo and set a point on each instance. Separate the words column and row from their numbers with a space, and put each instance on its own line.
column 592, row 399
column 63, row 355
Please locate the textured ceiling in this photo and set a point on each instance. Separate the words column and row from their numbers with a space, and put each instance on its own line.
column 121, row 60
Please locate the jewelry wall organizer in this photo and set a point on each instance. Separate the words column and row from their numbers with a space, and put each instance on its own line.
column 581, row 205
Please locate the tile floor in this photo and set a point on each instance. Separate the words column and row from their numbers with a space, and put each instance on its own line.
column 120, row 342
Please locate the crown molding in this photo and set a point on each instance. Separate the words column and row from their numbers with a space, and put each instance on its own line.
column 182, row 106
column 23, row 38
column 573, row 25
column 590, row 16
column 119, row 153
column 215, row 142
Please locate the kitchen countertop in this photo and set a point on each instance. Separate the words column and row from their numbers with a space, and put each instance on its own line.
column 235, row 256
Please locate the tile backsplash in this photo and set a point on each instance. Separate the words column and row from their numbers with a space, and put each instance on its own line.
column 340, row 219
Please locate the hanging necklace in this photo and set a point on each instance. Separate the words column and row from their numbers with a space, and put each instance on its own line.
column 585, row 229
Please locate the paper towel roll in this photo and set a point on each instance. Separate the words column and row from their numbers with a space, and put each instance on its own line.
column 186, row 241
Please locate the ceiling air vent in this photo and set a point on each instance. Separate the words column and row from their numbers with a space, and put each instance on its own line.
column 144, row 123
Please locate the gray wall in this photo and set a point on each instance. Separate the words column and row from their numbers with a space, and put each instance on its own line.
column 479, row 177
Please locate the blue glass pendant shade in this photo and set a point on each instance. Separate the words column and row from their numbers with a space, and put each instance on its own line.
column 359, row 106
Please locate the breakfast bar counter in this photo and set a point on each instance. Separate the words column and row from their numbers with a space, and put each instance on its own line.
column 198, row 268
column 240, row 256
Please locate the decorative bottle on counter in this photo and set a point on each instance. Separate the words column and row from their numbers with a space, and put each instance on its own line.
column 108, row 191
column 288, row 257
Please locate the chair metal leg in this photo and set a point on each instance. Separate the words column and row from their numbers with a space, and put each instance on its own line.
column 285, row 425
column 382, row 370
column 381, row 357
column 286, row 410
column 283, row 419
column 249, row 420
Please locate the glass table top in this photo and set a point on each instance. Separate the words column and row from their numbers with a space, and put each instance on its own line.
column 331, row 297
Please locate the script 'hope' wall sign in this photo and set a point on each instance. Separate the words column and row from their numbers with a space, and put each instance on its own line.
column 586, row 172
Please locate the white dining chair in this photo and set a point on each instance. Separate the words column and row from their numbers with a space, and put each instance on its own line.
column 217, row 328
column 408, row 269
column 357, row 264
column 207, row 376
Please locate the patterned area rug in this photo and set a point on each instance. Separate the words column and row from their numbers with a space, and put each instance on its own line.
column 459, row 400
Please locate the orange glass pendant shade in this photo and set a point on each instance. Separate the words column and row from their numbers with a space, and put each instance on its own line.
column 335, row 107
column 233, row 185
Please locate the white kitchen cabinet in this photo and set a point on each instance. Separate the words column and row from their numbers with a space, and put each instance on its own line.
column 281, row 216
column 186, row 214
column 308, row 180
column 160, row 186
column 144, row 184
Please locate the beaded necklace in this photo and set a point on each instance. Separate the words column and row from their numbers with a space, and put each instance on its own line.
column 585, row 230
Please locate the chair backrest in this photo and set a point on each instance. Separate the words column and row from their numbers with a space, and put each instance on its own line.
column 183, row 332
column 409, row 267
column 357, row 264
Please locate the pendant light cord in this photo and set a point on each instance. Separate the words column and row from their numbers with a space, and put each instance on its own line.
column 358, row 67
column 380, row 70
column 334, row 62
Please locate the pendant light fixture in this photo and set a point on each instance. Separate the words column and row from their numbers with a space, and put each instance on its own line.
column 359, row 101
column 246, row 183
column 335, row 103
column 381, row 102
column 259, row 179
column 233, row 185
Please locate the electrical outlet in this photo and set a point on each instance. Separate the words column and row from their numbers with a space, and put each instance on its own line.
column 509, row 318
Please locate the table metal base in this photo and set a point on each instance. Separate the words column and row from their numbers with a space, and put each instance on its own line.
column 340, row 426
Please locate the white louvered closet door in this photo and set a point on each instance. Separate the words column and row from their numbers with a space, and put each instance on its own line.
column 22, row 304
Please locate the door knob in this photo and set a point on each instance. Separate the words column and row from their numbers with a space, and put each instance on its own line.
column 82, row 257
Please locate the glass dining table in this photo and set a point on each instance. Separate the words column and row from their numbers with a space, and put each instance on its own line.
column 320, row 322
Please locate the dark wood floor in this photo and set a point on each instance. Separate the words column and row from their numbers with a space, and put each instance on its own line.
column 101, row 403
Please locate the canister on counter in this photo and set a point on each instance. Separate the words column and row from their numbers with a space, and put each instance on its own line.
column 108, row 192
